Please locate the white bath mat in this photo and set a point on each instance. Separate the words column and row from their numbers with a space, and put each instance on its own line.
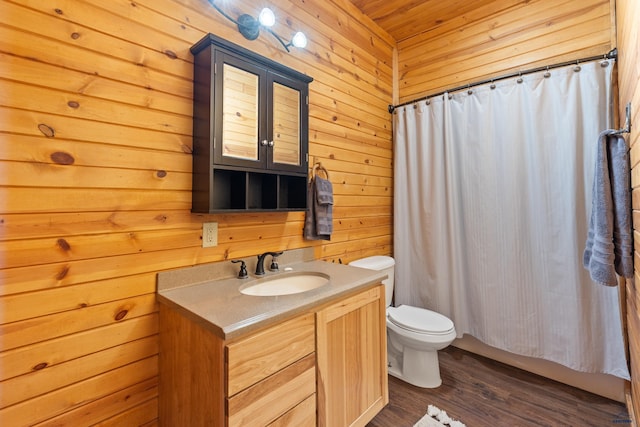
column 436, row 417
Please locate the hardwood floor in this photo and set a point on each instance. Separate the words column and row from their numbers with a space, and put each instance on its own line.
column 481, row 392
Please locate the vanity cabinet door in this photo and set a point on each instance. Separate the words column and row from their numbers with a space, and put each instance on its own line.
column 352, row 359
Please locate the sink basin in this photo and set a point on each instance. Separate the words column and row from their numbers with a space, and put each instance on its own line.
column 286, row 285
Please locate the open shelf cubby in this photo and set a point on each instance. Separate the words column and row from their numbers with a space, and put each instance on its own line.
column 233, row 190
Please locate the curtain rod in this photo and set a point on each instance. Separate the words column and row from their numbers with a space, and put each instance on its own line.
column 612, row 54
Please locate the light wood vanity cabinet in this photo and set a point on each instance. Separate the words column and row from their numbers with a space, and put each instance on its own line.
column 324, row 367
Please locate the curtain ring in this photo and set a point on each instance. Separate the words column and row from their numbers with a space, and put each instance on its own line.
column 604, row 63
column 469, row 91
column 520, row 80
column 577, row 68
column 547, row 74
column 493, row 85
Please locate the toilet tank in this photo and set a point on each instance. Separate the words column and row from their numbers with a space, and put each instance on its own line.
column 380, row 263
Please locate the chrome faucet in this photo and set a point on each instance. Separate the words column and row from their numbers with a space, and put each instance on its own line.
column 260, row 264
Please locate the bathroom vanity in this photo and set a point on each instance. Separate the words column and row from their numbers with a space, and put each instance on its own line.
column 316, row 357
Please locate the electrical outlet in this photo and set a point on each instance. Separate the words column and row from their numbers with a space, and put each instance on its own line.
column 209, row 234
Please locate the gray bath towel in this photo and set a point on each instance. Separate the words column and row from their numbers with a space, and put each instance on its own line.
column 318, row 222
column 609, row 246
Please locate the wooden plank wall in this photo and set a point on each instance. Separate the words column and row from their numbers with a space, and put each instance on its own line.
column 95, row 180
column 501, row 37
column 628, row 17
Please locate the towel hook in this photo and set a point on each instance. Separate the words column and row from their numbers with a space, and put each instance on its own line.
column 627, row 121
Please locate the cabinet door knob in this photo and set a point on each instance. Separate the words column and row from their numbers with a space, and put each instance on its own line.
column 264, row 142
column 270, row 143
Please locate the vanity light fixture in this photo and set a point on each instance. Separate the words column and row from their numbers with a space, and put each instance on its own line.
column 249, row 26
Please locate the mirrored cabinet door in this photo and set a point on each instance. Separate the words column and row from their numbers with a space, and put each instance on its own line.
column 288, row 145
column 239, row 113
column 240, row 107
column 286, row 125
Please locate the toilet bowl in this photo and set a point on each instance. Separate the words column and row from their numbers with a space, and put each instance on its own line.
column 414, row 334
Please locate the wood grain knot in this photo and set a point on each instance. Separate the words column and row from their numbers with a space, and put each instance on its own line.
column 47, row 130
column 161, row 218
column 64, row 245
column 62, row 158
column 59, row 11
column 121, row 314
column 161, row 174
column 63, row 273
column 40, row 366
column 171, row 54
column 75, row 36
column 187, row 149
column 73, row 104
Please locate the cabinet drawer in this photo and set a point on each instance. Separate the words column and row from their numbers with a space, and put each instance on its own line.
column 303, row 415
column 253, row 359
column 274, row 397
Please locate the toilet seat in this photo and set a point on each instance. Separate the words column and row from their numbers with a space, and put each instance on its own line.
column 420, row 320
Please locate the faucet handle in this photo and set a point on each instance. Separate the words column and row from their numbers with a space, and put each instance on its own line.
column 274, row 261
column 242, row 274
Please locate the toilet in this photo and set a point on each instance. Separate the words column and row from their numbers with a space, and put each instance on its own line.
column 414, row 335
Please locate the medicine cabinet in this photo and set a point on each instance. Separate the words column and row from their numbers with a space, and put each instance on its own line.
column 250, row 131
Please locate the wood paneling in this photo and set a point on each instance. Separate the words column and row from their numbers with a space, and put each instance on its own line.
column 95, row 184
column 628, row 16
column 499, row 37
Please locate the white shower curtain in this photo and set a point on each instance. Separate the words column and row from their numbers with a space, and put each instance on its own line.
column 492, row 197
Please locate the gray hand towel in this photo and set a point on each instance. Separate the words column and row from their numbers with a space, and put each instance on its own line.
column 609, row 246
column 318, row 222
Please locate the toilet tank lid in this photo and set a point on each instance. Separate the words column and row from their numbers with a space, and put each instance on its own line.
column 377, row 262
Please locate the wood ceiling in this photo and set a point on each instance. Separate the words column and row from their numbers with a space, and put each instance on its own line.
column 403, row 19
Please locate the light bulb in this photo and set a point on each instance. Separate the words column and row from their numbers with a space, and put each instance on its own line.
column 266, row 17
column 299, row 40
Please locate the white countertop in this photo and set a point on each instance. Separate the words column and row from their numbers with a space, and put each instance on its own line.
column 219, row 305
